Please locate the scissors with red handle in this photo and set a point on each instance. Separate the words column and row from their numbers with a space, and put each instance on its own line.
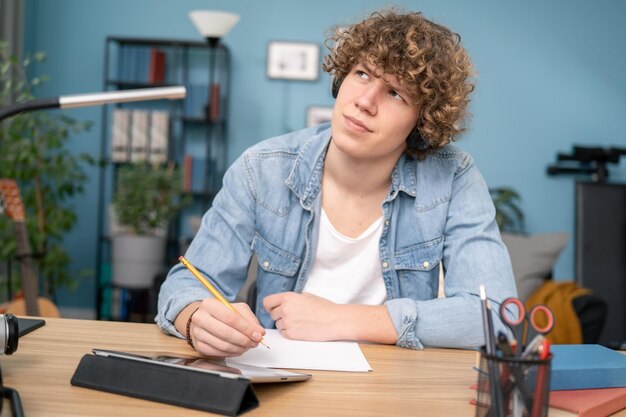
column 526, row 326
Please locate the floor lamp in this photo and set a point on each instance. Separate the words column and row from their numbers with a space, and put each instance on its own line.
column 213, row 25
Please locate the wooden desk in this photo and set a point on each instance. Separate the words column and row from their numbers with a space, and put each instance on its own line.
column 432, row 382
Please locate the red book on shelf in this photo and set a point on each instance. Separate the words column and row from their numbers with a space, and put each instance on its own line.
column 214, row 106
column 156, row 73
column 187, row 162
column 599, row 402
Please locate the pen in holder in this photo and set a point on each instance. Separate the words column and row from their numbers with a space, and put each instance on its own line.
column 521, row 384
column 517, row 382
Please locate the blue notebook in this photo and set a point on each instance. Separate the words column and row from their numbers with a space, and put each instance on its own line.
column 586, row 366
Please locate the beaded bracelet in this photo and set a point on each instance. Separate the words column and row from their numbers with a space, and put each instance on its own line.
column 188, row 327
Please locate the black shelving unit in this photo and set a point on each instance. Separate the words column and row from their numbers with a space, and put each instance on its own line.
column 197, row 127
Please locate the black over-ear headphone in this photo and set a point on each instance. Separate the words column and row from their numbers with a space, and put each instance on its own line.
column 336, row 84
column 414, row 141
column 9, row 334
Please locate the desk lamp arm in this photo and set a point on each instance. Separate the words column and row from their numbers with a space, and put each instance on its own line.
column 94, row 99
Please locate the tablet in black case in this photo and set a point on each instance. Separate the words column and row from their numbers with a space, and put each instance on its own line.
column 166, row 384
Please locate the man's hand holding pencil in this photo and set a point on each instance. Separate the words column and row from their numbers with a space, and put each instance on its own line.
column 218, row 328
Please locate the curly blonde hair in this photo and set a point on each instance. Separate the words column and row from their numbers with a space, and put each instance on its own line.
column 426, row 58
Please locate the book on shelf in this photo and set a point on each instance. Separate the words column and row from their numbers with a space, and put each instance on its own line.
column 139, row 136
column 198, row 175
column 118, row 303
column 599, row 402
column 129, row 63
column 120, row 138
column 586, row 367
column 132, row 60
column 187, row 167
column 195, row 174
column 156, row 71
column 196, row 101
column 122, row 62
column 214, row 106
column 141, row 64
column 174, row 72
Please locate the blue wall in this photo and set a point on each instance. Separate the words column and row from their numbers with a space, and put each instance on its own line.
column 550, row 75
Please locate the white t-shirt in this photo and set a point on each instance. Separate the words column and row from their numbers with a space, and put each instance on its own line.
column 347, row 270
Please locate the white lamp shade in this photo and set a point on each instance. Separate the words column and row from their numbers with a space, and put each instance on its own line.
column 213, row 23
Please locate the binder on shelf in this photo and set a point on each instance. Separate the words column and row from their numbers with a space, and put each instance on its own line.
column 159, row 134
column 120, row 138
column 171, row 385
column 139, row 136
column 587, row 366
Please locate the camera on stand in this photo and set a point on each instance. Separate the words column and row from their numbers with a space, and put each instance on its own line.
column 587, row 160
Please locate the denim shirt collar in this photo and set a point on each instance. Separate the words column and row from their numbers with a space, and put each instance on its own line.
column 404, row 177
column 305, row 178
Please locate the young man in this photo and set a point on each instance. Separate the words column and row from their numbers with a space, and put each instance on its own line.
column 350, row 222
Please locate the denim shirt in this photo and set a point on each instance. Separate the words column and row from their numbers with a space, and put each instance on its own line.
column 437, row 211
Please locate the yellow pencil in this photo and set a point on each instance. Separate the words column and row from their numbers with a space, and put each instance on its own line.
column 210, row 287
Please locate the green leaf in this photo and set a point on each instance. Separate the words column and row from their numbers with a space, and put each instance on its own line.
column 509, row 215
column 39, row 56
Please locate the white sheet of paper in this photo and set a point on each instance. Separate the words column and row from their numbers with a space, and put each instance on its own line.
column 298, row 354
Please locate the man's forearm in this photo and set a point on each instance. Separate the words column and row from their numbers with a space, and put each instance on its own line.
column 366, row 323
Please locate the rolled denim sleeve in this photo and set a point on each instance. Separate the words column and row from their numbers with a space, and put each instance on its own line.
column 473, row 254
column 403, row 313
column 220, row 250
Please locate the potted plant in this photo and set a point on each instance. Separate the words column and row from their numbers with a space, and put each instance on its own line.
column 34, row 152
column 509, row 215
column 147, row 197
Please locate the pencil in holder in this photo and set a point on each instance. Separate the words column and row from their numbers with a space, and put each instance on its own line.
column 512, row 386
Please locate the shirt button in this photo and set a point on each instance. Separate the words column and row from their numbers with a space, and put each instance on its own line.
column 425, row 264
column 266, row 264
column 385, row 264
column 386, row 222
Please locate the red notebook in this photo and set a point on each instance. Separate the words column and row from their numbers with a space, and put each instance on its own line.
column 599, row 402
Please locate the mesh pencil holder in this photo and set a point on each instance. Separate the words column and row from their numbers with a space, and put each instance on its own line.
column 511, row 386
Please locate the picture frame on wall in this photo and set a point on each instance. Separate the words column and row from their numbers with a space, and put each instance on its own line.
column 293, row 60
column 316, row 115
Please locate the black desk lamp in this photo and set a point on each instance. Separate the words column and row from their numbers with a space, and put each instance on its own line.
column 94, row 99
